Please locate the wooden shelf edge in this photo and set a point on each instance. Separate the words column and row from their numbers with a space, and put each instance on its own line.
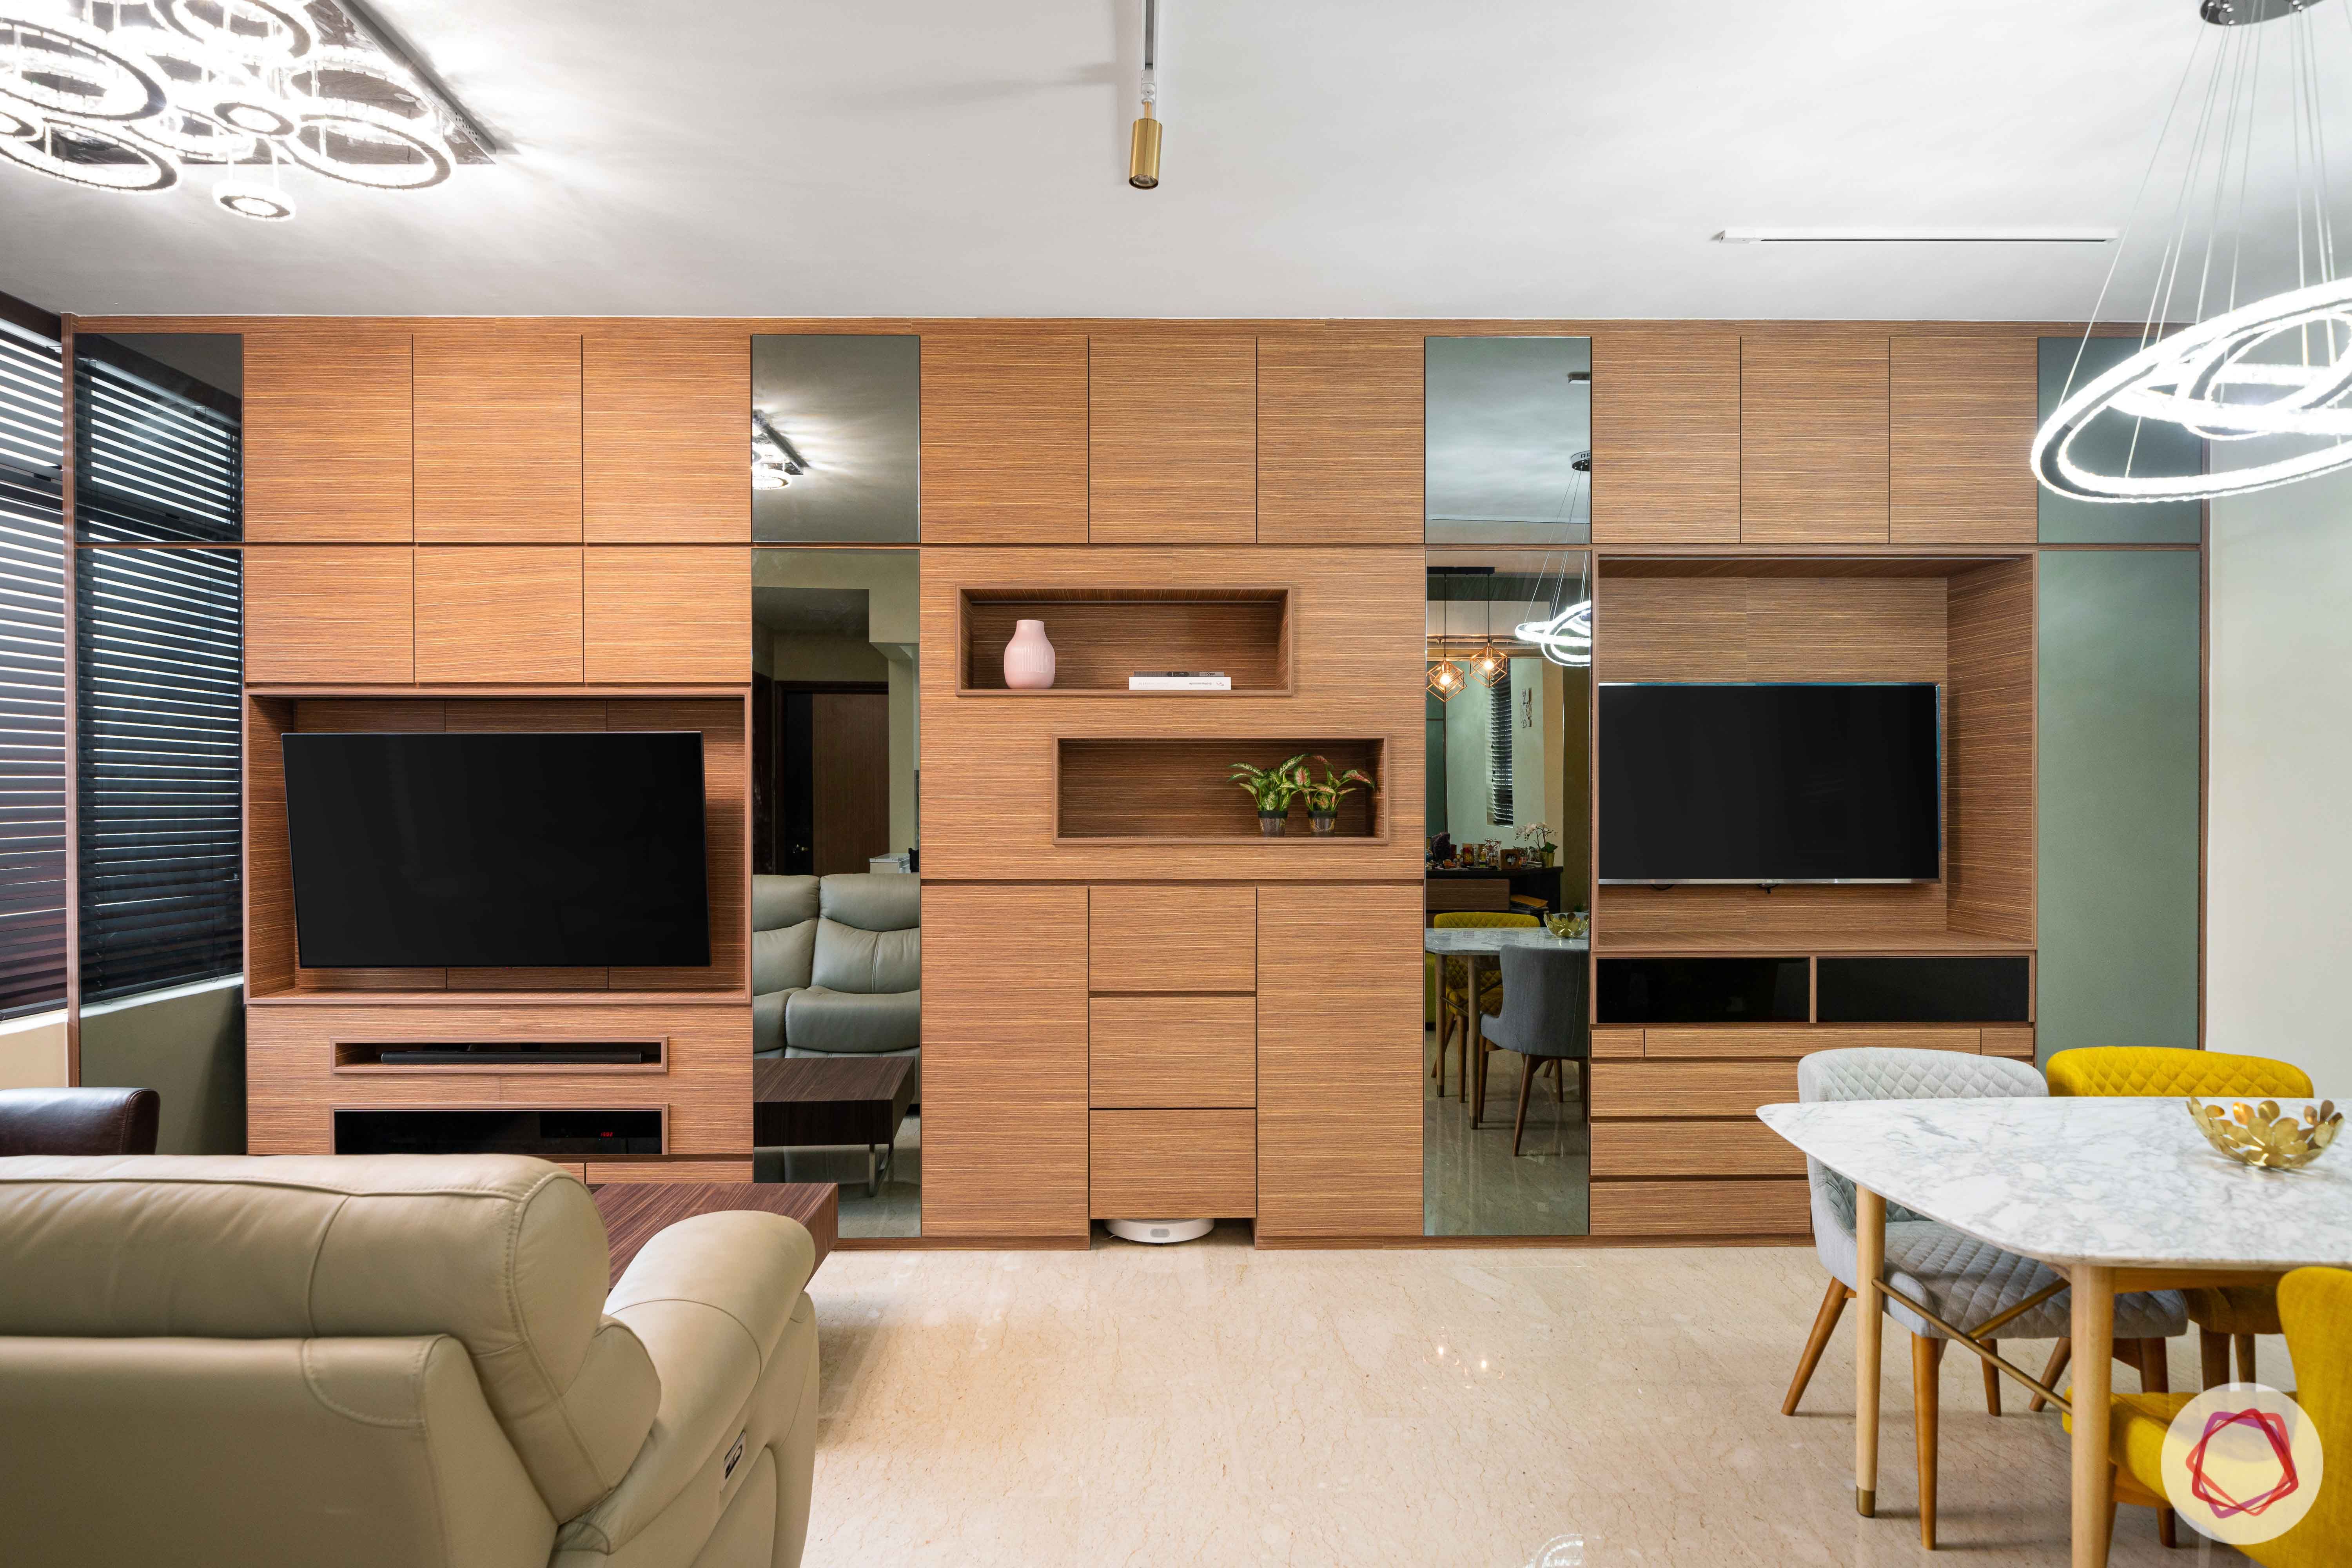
column 456, row 693
column 1221, row 840
column 452, row 1070
column 500, row 998
column 1122, row 691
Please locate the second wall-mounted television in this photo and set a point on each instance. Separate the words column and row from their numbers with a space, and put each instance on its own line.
column 577, row 849
column 1766, row 784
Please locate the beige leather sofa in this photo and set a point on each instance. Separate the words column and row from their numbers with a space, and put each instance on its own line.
column 391, row 1361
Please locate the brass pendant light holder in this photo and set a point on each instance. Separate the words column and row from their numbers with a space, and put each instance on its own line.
column 1143, row 145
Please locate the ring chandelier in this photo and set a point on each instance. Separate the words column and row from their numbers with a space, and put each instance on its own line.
column 134, row 96
column 2250, row 363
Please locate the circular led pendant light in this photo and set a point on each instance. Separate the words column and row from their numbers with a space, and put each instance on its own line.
column 2246, row 333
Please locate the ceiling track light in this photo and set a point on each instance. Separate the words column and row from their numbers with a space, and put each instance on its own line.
column 1143, row 145
column 130, row 95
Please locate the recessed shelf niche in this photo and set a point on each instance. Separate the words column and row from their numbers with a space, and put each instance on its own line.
column 1181, row 791
column 1102, row 636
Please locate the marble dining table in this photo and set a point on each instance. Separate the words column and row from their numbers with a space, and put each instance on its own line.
column 2116, row 1194
column 1475, row 946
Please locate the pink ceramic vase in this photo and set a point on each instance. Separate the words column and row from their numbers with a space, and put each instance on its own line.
column 1029, row 658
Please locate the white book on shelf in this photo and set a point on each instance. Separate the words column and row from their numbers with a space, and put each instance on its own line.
column 1180, row 680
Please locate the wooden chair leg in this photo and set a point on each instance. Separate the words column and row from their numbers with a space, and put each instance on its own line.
column 2214, row 1351
column 1527, row 1082
column 1992, row 1380
column 2059, row 1355
column 1926, row 1397
column 2154, row 1371
column 1825, row 1323
column 2245, row 1358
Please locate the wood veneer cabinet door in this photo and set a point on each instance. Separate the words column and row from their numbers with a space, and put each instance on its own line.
column 1172, row 939
column 1339, row 437
column 1960, row 417
column 1666, row 437
column 1812, row 439
column 330, row 613
column 1171, row 438
column 498, row 437
column 328, row 448
column 1004, row 1061
column 667, row 615
column 1004, row 437
column 488, row 613
column 664, row 457
column 1339, row 1061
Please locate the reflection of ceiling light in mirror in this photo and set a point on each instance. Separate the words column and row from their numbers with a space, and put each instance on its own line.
column 775, row 461
column 1445, row 678
column 128, row 96
column 1566, row 639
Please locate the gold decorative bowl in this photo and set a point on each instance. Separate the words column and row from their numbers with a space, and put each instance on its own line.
column 2261, row 1136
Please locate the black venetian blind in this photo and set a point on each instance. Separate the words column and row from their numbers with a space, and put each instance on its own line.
column 158, row 657
column 32, row 675
column 1498, row 753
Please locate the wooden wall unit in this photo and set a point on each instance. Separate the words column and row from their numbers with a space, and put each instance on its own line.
column 1339, row 434
column 667, row 615
column 1960, row 418
column 323, row 613
column 1665, row 436
column 327, row 440
column 506, row 614
column 498, row 436
column 1005, row 436
column 664, row 449
column 1812, row 439
column 1171, row 438
column 1989, row 742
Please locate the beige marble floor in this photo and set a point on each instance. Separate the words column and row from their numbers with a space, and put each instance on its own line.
column 1211, row 1405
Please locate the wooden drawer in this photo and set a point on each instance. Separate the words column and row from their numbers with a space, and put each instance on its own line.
column 600, row 1172
column 1171, row 939
column 1800, row 1039
column 1606, row 1043
column 1772, row 1207
column 2015, row 1041
column 1172, row 1052
column 1690, row 1088
column 1743, row 1148
column 1467, row 895
column 1172, row 1164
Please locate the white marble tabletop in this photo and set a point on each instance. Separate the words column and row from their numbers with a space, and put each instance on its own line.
column 2111, row 1183
column 1494, row 938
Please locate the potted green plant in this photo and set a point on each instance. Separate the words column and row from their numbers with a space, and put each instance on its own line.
column 1323, row 794
column 1538, row 834
column 1273, row 789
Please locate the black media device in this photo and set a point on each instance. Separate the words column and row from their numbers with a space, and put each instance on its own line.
column 580, row 848
column 1766, row 784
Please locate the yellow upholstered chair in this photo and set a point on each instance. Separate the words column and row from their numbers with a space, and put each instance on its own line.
column 2222, row 1315
column 1453, row 1009
column 2316, row 1307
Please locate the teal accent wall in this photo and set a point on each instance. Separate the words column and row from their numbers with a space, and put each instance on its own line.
column 2107, row 445
column 2118, row 784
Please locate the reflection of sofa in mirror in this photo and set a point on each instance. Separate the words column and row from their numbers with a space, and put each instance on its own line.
column 836, row 965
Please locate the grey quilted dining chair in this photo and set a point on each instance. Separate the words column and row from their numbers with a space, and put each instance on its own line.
column 1965, row 1282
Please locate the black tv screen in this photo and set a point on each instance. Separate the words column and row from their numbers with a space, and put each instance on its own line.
column 1770, row 783
column 497, row 851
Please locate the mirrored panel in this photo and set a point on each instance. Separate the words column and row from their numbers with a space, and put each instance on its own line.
column 836, row 428
column 1506, row 1136
column 158, row 438
column 836, row 899
column 1508, row 434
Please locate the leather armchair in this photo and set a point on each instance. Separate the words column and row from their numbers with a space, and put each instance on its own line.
column 392, row 1361
column 838, row 966
column 78, row 1121
column 783, row 951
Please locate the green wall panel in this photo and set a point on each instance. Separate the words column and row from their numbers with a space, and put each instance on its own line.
column 2119, row 780
column 2106, row 446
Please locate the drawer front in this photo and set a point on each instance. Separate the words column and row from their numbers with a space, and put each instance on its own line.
column 1172, row 1164
column 1171, row 939
column 1690, row 1088
column 1790, row 1042
column 1172, row 1052
column 1701, row 1208
column 1618, row 1043
column 2013, row 1042
column 603, row 1172
column 1742, row 1148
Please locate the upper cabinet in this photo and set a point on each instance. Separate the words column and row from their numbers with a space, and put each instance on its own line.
column 1005, row 436
column 498, row 436
column 1339, row 437
column 1812, row 439
column 1665, row 432
column 328, row 453
column 665, row 453
column 1171, row 438
column 1960, row 419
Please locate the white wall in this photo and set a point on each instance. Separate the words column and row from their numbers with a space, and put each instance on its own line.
column 33, row 1052
column 2279, row 824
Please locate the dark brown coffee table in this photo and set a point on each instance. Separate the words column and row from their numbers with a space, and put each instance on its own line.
column 635, row 1211
column 833, row 1102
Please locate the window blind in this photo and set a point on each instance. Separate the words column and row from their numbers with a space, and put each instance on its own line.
column 1498, row 753
column 158, row 651
column 32, row 675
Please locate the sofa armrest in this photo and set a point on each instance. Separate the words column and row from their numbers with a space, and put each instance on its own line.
column 709, row 1298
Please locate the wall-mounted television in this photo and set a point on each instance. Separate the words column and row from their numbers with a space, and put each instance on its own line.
column 1766, row 784
column 574, row 849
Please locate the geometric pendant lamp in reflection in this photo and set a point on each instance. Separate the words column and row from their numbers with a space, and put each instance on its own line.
column 1446, row 677
column 1490, row 664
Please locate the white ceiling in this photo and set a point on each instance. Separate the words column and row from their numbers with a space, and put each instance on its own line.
column 1519, row 158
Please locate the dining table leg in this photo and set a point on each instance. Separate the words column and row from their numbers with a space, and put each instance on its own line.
column 2095, row 1329
column 1473, row 1060
column 1869, row 1326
